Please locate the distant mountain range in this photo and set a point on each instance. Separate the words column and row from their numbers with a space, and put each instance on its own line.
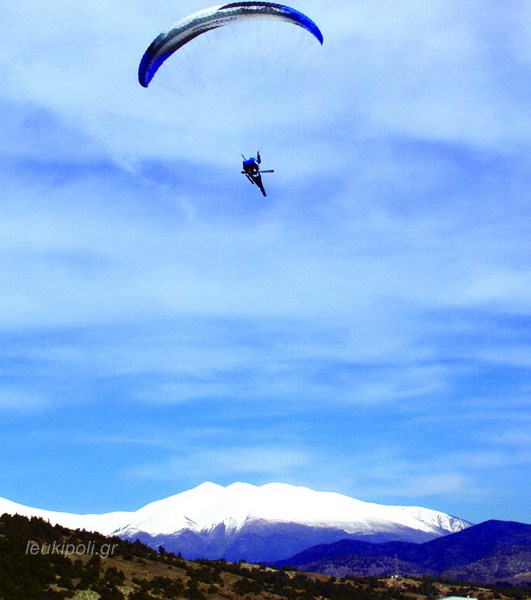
column 256, row 523
column 494, row 551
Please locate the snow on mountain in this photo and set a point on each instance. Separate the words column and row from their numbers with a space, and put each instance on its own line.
column 105, row 523
column 209, row 505
column 258, row 523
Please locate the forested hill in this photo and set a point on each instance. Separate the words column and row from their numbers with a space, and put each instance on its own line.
column 39, row 561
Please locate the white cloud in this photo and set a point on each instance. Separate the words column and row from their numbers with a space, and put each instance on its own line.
column 435, row 70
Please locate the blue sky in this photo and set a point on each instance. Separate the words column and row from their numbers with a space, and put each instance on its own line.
column 364, row 329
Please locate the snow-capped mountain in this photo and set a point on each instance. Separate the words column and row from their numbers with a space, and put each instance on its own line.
column 209, row 505
column 258, row 523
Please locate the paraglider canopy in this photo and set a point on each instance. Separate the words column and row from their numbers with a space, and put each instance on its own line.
column 182, row 32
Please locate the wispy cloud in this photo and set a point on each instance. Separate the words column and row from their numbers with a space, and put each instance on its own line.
column 24, row 402
column 226, row 464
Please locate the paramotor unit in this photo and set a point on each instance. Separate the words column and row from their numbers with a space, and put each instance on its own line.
column 251, row 170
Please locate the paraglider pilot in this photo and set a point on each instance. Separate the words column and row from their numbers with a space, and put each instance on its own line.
column 251, row 170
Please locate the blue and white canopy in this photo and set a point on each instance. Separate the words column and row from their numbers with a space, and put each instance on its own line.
column 182, row 32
